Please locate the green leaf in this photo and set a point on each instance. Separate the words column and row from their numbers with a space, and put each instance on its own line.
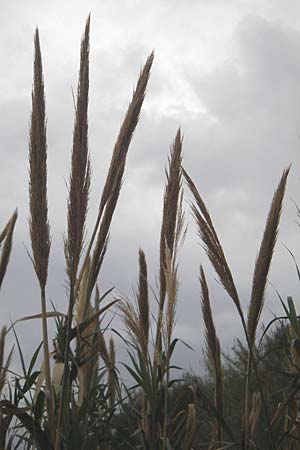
column 34, row 358
column 133, row 374
column 20, row 352
column 39, row 405
column 30, row 380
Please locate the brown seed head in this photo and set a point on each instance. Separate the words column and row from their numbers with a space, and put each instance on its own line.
column 212, row 244
column 112, row 187
column 212, row 346
column 170, row 209
column 38, row 222
column 81, row 170
column 143, row 299
column 8, row 234
column 264, row 258
column 117, row 164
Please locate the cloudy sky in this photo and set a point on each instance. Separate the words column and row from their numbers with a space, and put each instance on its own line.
column 227, row 72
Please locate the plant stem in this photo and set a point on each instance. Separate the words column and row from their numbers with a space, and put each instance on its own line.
column 252, row 359
column 49, row 397
column 66, row 366
column 166, row 399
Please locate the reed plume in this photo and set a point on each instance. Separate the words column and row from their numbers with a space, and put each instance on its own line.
column 130, row 317
column 38, row 222
column 168, row 228
column 102, row 349
column 171, row 273
column 170, row 208
column 78, row 199
column 264, row 258
column 117, row 164
column 212, row 348
column 136, row 317
column 109, row 357
column 111, row 382
column 7, row 234
column 114, row 177
column 87, row 339
column 217, row 258
column 212, row 245
column 143, row 302
column 97, row 298
column 144, row 321
column 166, row 326
column 80, row 176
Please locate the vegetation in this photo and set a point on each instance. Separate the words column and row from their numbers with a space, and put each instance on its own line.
column 77, row 400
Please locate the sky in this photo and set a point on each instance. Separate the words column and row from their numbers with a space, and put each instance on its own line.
column 227, row 72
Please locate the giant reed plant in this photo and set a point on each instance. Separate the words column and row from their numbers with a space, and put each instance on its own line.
column 217, row 258
column 84, row 403
column 39, row 225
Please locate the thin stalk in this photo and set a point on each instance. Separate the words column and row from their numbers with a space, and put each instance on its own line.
column 38, row 222
column 168, row 227
column 47, row 362
column 264, row 403
column 166, row 402
column 66, row 367
column 247, row 393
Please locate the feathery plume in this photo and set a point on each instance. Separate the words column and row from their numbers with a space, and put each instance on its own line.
column 114, row 177
column 131, row 321
column 97, row 298
column 38, row 222
column 117, row 164
column 264, row 258
column 111, row 382
column 87, row 339
column 78, row 201
column 81, row 170
column 143, row 301
column 212, row 347
column 170, row 209
column 102, row 348
column 39, row 225
column 8, row 234
column 168, row 229
column 172, row 282
column 171, row 291
column 136, row 316
column 212, row 244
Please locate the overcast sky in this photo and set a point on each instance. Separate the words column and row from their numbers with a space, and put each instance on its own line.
column 227, row 72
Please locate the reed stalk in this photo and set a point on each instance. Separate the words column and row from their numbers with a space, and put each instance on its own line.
column 38, row 222
column 172, row 286
column 260, row 277
column 77, row 204
column 213, row 349
column 168, row 228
